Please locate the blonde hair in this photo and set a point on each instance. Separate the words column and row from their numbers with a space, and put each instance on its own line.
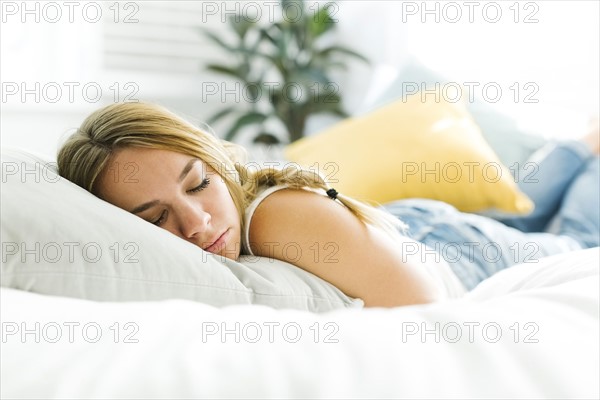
column 85, row 154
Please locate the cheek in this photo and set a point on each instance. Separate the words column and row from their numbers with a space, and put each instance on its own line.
column 227, row 204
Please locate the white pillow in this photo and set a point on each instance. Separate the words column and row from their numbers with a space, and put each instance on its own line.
column 58, row 239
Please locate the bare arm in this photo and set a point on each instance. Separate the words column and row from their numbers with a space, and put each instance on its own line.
column 323, row 237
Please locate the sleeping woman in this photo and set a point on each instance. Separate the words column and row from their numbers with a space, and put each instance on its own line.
column 154, row 164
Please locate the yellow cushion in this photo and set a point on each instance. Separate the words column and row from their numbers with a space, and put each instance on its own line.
column 409, row 149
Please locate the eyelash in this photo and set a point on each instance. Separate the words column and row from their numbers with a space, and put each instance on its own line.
column 160, row 219
column 200, row 187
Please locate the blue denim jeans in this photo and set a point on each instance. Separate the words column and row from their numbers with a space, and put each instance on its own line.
column 563, row 182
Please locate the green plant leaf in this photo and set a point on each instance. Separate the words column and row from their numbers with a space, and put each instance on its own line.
column 308, row 76
column 218, row 40
column 240, row 49
column 227, row 71
column 320, row 22
column 264, row 32
column 329, row 95
column 328, row 108
column 254, row 90
column 328, row 51
column 240, row 25
column 266, row 138
column 287, row 3
column 279, row 101
column 285, row 48
column 293, row 11
column 244, row 120
column 220, row 115
column 337, row 64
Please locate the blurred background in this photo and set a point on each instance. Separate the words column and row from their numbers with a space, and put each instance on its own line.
column 536, row 62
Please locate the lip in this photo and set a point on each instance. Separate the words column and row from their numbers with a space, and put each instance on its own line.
column 219, row 243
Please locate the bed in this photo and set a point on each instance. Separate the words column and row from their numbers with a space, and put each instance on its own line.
column 96, row 303
column 528, row 332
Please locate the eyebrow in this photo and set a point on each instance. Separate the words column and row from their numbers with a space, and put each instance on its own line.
column 186, row 170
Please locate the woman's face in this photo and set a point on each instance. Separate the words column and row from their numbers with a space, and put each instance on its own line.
column 177, row 192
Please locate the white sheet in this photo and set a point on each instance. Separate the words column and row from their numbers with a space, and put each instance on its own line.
column 555, row 354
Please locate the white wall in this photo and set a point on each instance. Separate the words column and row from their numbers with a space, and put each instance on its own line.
column 554, row 45
column 559, row 53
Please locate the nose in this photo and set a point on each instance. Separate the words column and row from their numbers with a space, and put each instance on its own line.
column 194, row 221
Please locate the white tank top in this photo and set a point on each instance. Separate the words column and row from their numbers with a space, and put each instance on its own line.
column 440, row 272
column 262, row 194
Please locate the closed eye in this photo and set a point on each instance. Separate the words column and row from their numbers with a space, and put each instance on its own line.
column 159, row 221
column 163, row 216
column 200, row 187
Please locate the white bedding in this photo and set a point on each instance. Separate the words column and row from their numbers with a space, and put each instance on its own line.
column 547, row 314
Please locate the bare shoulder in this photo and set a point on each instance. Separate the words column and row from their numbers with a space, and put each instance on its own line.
column 325, row 238
column 288, row 213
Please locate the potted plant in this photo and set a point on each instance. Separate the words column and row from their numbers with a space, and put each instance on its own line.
column 284, row 70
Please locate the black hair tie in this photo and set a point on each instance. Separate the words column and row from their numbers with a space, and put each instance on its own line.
column 332, row 193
